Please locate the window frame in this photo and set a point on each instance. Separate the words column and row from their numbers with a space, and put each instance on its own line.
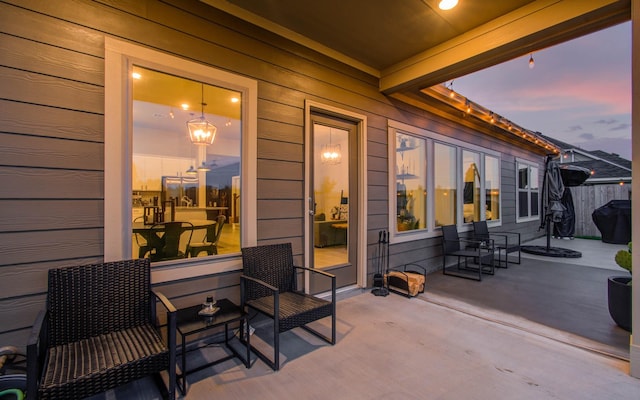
column 529, row 164
column 120, row 56
column 430, row 230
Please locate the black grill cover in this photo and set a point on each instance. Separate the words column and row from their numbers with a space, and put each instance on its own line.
column 613, row 220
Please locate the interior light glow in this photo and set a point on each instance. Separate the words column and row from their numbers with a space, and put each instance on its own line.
column 447, row 4
column 136, row 75
column 184, row 106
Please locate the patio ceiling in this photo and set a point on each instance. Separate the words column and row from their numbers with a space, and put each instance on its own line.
column 412, row 46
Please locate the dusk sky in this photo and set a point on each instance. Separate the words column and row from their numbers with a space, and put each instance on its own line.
column 578, row 92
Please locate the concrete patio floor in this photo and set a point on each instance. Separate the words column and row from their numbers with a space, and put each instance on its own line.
column 565, row 298
column 427, row 347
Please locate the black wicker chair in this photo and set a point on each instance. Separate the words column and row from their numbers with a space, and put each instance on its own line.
column 507, row 242
column 481, row 252
column 99, row 331
column 268, row 285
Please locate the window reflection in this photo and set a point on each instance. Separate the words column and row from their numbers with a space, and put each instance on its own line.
column 528, row 191
column 445, row 184
column 175, row 180
column 411, row 183
column 492, row 188
column 471, row 189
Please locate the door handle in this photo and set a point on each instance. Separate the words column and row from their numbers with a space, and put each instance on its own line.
column 311, row 211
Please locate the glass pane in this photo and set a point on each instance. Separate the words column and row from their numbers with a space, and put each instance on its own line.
column 534, row 204
column 492, row 187
column 411, row 182
column 331, row 194
column 471, row 181
column 523, row 204
column 177, row 179
column 533, row 176
column 445, row 184
column 523, row 176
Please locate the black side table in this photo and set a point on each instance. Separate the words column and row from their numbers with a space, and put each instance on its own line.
column 190, row 323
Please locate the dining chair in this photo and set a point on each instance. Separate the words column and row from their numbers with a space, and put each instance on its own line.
column 141, row 240
column 167, row 239
column 210, row 241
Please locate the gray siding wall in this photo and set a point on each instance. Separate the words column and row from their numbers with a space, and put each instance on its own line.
column 52, row 136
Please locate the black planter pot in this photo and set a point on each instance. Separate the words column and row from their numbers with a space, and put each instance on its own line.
column 620, row 301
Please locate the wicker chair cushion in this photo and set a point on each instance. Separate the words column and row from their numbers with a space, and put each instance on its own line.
column 296, row 309
column 84, row 368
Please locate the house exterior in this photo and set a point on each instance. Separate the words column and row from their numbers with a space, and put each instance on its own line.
column 66, row 129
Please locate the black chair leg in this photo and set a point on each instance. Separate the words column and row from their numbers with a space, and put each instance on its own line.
column 276, row 345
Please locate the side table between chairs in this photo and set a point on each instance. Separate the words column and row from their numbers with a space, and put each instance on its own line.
column 189, row 322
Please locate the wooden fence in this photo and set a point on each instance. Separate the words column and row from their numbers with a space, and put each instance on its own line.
column 587, row 198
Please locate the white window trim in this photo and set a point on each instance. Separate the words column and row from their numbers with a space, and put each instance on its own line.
column 529, row 164
column 431, row 137
column 119, row 57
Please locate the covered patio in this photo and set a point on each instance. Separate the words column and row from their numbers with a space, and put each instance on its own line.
column 459, row 339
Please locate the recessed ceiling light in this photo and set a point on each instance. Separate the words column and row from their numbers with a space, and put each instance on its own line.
column 136, row 75
column 235, row 100
column 447, row 4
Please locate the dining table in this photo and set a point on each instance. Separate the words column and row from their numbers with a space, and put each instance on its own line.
column 157, row 229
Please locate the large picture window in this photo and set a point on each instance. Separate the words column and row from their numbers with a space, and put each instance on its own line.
column 184, row 178
column 528, row 198
column 439, row 181
column 180, row 180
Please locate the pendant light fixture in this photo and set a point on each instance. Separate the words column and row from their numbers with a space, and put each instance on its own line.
column 531, row 62
column 204, row 167
column 191, row 171
column 201, row 131
column 330, row 154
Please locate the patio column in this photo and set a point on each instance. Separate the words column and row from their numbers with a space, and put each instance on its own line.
column 635, row 186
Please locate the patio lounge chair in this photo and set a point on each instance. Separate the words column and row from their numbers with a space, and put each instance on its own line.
column 268, row 285
column 482, row 252
column 507, row 242
column 99, row 331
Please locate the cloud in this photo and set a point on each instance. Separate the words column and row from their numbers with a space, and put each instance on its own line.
column 574, row 128
column 620, row 146
column 606, row 121
column 621, row 127
column 587, row 136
